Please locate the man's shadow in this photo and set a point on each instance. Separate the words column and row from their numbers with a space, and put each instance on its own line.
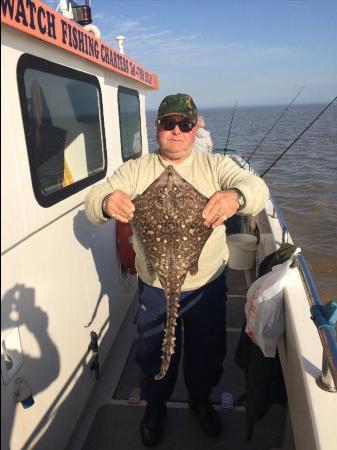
column 17, row 310
column 99, row 243
column 99, row 239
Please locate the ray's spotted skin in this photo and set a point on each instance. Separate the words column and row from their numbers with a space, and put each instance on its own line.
column 169, row 225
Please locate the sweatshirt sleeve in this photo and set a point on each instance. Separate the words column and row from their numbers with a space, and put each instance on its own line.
column 252, row 187
column 123, row 179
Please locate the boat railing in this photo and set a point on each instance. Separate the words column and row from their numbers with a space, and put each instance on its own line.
column 323, row 315
column 319, row 314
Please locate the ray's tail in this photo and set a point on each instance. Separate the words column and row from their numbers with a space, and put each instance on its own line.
column 168, row 346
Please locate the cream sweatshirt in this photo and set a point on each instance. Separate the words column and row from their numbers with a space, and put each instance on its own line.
column 208, row 173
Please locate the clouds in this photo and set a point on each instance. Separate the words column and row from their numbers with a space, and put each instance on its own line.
column 215, row 71
column 254, row 52
column 173, row 48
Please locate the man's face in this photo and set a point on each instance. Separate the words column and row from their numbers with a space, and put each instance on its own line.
column 175, row 145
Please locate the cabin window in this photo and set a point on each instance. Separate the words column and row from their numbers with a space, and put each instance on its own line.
column 63, row 120
column 129, row 123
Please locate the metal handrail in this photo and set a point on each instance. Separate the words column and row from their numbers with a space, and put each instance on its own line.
column 328, row 380
column 326, row 334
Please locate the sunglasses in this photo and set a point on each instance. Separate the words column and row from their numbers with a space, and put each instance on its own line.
column 169, row 124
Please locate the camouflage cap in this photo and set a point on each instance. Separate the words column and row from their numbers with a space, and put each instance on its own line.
column 182, row 104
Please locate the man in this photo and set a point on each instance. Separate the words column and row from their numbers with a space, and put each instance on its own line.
column 203, row 140
column 202, row 301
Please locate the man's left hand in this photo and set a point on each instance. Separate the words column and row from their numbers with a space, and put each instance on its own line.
column 220, row 207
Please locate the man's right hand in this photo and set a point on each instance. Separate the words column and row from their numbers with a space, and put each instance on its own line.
column 119, row 206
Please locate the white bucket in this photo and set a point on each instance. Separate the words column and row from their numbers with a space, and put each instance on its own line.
column 242, row 251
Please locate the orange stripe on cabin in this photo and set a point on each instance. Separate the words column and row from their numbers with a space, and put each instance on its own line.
column 43, row 22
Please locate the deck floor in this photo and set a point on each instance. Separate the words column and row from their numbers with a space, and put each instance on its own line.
column 114, row 420
column 117, row 427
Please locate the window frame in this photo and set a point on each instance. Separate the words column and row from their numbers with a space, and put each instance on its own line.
column 135, row 93
column 28, row 61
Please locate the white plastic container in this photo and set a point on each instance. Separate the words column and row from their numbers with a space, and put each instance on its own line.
column 242, row 251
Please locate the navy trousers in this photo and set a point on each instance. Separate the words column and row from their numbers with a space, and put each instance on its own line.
column 201, row 327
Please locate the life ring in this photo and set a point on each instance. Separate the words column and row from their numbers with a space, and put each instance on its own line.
column 93, row 30
column 125, row 248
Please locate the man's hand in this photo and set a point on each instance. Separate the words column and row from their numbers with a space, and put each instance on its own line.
column 119, row 206
column 220, row 207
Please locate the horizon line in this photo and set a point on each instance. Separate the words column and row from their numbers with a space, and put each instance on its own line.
column 260, row 105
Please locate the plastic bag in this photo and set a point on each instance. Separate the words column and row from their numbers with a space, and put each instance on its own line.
column 264, row 307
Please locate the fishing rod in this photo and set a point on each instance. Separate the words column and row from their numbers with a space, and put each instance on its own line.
column 230, row 126
column 270, row 130
column 298, row 137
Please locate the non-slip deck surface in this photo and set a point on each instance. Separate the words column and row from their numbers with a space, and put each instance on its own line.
column 116, row 427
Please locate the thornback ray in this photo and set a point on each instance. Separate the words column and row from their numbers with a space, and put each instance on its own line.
column 169, row 226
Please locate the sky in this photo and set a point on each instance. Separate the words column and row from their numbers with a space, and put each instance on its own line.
column 222, row 52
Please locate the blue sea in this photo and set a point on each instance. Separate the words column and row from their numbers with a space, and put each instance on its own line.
column 304, row 181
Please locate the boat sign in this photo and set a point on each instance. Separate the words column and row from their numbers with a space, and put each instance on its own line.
column 41, row 21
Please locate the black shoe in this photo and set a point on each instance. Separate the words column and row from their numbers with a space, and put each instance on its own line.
column 151, row 426
column 207, row 416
